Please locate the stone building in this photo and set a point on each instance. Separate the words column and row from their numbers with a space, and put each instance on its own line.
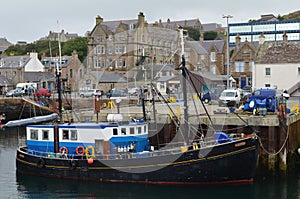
column 72, row 70
column 241, row 62
column 62, row 36
column 128, row 44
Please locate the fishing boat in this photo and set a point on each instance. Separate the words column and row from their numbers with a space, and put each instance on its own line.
column 121, row 151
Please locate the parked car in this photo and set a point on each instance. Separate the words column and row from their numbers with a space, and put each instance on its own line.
column 116, row 93
column 14, row 93
column 213, row 94
column 231, row 97
column 91, row 93
column 42, row 92
column 133, row 91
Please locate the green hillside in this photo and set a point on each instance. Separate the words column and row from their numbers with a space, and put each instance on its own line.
column 291, row 16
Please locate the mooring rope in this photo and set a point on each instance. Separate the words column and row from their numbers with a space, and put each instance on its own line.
column 281, row 148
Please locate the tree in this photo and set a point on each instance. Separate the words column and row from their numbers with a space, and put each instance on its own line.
column 210, row 35
column 193, row 33
column 80, row 44
column 50, row 48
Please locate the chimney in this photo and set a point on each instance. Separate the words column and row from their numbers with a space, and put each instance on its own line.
column 201, row 38
column 75, row 54
column 237, row 40
column 261, row 39
column 99, row 20
column 141, row 20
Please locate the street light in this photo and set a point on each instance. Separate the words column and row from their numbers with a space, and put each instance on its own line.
column 227, row 46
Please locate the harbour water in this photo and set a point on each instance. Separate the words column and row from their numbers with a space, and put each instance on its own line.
column 17, row 186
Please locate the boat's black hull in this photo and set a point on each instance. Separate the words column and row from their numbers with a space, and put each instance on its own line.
column 233, row 162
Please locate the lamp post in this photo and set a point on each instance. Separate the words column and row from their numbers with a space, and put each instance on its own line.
column 227, row 48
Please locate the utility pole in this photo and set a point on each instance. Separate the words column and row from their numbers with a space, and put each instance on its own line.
column 227, row 48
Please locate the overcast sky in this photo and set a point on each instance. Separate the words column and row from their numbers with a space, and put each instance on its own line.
column 29, row 20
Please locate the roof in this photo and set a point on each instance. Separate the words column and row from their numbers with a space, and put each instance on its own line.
column 50, row 62
column 165, row 78
column 38, row 76
column 218, row 43
column 211, row 26
column 109, row 77
column 196, row 45
column 14, row 61
column 113, row 25
column 279, row 52
column 183, row 23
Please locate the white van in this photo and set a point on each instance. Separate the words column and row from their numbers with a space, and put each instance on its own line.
column 25, row 86
column 230, row 97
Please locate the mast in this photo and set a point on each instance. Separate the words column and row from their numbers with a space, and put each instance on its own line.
column 58, row 74
column 184, row 89
column 58, row 85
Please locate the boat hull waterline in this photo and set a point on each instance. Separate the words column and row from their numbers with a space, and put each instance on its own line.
column 231, row 162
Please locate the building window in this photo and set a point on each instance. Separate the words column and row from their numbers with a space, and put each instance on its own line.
column 45, row 135
column 213, row 56
column 65, row 135
column 119, row 49
column 99, row 49
column 213, row 70
column 110, row 50
column 99, row 37
column 34, row 134
column 73, row 135
column 71, row 73
column 97, row 63
column 268, row 71
column 239, row 66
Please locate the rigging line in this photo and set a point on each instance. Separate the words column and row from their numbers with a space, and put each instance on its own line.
column 194, row 86
column 175, row 119
column 164, row 99
column 22, row 110
column 255, row 130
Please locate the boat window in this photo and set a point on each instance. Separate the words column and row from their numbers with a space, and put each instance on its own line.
column 131, row 130
column 145, row 129
column 123, row 131
column 115, row 131
column 73, row 135
column 45, row 135
column 139, row 130
column 34, row 134
column 65, row 135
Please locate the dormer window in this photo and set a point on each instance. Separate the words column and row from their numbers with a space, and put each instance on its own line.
column 99, row 37
column 132, row 26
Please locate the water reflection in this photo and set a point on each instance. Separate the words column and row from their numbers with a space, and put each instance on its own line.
column 45, row 188
column 23, row 186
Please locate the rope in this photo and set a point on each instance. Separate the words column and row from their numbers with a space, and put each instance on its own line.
column 281, row 148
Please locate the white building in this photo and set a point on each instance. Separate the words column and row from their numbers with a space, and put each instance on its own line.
column 278, row 65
